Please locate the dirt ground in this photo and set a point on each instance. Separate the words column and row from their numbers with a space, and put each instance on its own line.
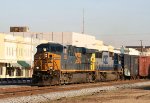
column 141, row 95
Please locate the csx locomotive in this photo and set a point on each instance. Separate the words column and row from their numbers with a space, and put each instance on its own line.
column 58, row 64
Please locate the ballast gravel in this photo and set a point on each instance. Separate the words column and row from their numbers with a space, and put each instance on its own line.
column 58, row 95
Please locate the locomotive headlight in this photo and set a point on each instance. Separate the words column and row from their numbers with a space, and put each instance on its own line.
column 37, row 67
column 50, row 67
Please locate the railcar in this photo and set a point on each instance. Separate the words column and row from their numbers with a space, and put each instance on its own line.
column 130, row 65
column 144, row 66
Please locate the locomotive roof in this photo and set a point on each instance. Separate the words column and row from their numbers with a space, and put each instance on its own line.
column 49, row 44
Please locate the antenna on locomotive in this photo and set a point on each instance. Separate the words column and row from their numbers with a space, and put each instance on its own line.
column 83, row 23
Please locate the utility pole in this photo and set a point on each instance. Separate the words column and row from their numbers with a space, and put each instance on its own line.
column 52, row 36
column 31, row 49
column 141, row 46
column 62, row 38
column 83, row 23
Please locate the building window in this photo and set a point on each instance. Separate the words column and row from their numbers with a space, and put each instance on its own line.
column 18, row 51
column 18, row 72
column 12, row 52
column 25, row 53
column 10, row 71
column 29, row 51
column 36, row 36
column 27, row 72
column 21, row 51
column 21, row 72
column 1, row 70
column 7, row 51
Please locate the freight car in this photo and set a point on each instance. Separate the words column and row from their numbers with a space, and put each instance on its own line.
column 58, row 64
column 144, row 66
column 130, row 65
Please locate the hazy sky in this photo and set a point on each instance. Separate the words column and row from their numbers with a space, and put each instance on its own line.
column 116, row 22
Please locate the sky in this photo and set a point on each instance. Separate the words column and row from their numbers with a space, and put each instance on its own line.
column 116, row 22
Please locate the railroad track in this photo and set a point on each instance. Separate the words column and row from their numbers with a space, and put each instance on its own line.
column 24, row 91
column 31, row 90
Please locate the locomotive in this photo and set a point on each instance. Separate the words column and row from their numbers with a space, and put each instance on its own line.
column 57, row 64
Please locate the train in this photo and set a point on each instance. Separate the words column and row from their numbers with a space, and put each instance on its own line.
column 56, row 64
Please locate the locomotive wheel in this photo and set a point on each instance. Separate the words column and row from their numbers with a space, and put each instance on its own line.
column 89, row 77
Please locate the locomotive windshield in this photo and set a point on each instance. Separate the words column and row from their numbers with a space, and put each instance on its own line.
column 49, row 48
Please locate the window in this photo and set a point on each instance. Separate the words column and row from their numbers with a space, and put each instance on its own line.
column 98, row 55
column 24, row 51
column 18, row 72
column 71, row 51
column 65, row 50
column 18, row 51
column 21, row 72
column 28, row 51
column 1, row 70
column 27, row 72
column 7, row 51
column 10, row 71
column 21, row 51
column 12, row 52
column 111, row 54
column 36, row 36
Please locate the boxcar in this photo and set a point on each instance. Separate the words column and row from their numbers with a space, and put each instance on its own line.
column 144, row 66
column 129, row 65
column 125, row 62
column 134, row 69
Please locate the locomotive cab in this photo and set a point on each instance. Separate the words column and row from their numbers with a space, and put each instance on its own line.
column 47, row 62
column 48, row 57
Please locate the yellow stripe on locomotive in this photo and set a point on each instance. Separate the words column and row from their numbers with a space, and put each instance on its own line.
column 93, row 61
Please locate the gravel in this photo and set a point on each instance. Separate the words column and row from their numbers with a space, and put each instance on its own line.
column 12, row 86
column 59, row 95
